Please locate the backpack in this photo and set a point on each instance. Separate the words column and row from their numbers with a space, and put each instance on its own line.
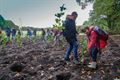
column 102, row 35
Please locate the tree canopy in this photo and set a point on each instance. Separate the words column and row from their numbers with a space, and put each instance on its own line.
column 84, row 3
column 105, row 13
column 7, row 23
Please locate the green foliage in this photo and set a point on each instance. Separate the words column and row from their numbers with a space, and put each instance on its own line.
column 106, row 14
column 84, row 3
column 83, row 44
column 18, row 41
column 62, row 8
column 2, row 21
column 59, row 15
column 7, row 23
column 4, row 40
column 10, row 24
column 50, row 38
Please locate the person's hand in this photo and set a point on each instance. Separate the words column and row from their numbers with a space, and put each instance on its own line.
column 88, row 50
column 77, row 33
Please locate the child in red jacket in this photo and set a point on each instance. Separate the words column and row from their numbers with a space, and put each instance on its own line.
column 93, row 45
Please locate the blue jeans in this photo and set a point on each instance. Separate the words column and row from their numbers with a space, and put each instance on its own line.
column 93, row 53
column 72, row 45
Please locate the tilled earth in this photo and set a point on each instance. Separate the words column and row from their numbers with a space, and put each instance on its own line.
column 40, row 61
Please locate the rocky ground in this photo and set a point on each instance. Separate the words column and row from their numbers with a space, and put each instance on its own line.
column 39, row 61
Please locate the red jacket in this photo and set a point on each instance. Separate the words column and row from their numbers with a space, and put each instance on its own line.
column 92, row 39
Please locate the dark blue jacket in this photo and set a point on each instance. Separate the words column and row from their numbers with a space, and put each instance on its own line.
column 70, row 30
column 8, row 32
column 29, row 33
column 13, row 32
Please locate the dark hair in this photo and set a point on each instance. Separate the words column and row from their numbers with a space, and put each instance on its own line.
column 84, row 29
column 74, row 13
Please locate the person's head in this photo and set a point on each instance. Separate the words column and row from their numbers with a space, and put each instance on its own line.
column 85, row 30
column 74, row 14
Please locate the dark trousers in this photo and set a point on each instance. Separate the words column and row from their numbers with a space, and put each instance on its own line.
column 72, row 46
column 93, row 53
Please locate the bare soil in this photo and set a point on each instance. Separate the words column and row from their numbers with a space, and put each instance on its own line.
column 39, row 61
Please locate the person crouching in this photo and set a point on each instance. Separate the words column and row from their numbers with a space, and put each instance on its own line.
column 92, row 45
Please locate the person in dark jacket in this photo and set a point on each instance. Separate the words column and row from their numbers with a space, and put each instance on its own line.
column 19, row 33
column 13, row 32
column 35, row 32
column 43, row 35
column 70, row 35
column 8, row 34
column 29, row 33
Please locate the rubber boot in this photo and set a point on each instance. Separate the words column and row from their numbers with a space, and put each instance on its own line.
column 92, row 65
